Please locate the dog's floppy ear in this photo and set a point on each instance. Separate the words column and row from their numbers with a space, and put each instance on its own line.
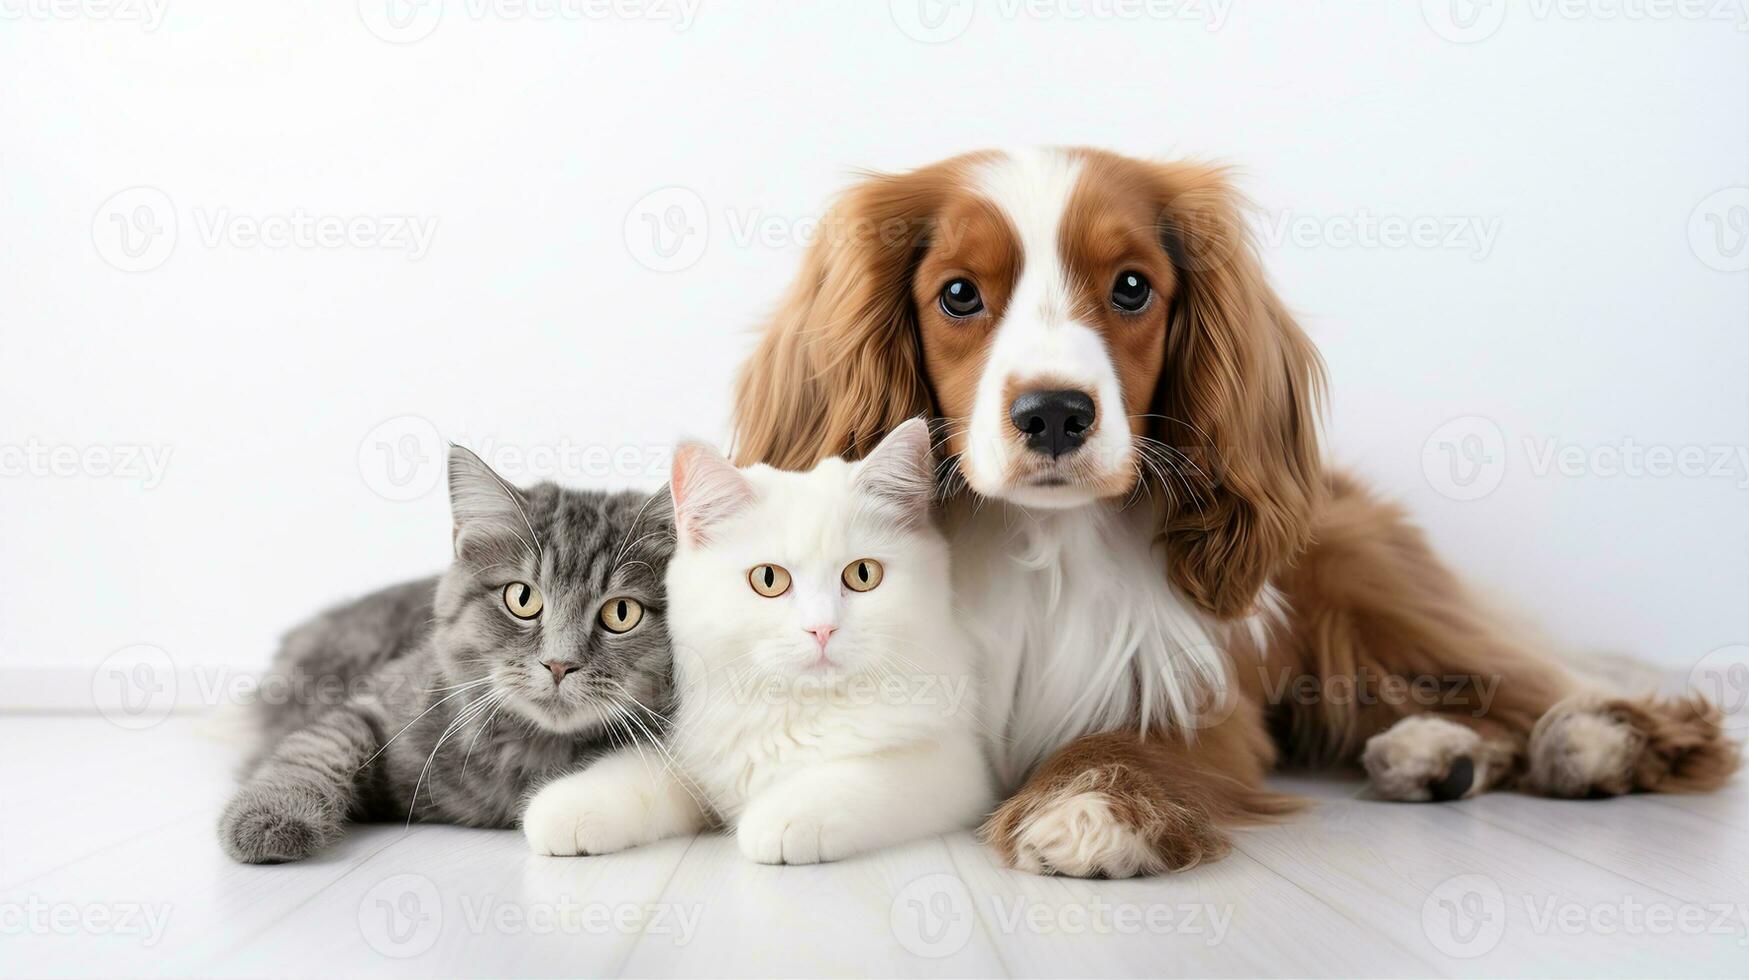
column 839, row 366
column 1240, row 393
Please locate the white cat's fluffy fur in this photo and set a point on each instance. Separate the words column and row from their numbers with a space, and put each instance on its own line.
column 809, row 752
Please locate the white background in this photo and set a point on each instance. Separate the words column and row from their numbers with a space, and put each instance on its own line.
column 1593, row 300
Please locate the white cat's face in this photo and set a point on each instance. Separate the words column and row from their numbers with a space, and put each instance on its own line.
column 825, row 573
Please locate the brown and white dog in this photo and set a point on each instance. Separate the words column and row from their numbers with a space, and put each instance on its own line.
column 1170, row 585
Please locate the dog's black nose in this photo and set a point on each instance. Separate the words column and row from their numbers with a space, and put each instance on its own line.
column 1052, row 422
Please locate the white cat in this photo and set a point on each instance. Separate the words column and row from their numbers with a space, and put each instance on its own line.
column 827, row 696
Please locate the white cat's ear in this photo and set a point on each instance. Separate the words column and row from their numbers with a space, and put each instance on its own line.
column 706, row 489
column 483, row 503
column 900, row 473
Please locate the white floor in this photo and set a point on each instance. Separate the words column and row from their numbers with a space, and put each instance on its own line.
column 108, row 867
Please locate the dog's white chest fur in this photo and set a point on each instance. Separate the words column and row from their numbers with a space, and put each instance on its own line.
column 1078, row 628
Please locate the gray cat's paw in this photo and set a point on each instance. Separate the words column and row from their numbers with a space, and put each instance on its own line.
column 255, row 831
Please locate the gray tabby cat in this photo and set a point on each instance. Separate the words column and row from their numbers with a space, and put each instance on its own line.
column 452, row 699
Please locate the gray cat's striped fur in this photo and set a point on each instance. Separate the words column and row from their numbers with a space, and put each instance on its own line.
column 430, row 701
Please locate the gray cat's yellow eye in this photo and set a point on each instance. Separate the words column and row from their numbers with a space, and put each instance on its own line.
column 863, row 574
column 523, row 600
column 769, row 581
column 621, row 614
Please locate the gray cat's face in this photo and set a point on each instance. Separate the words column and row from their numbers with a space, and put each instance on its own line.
column 554, row 607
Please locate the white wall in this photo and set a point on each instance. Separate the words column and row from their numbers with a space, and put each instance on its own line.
column 1587, row 300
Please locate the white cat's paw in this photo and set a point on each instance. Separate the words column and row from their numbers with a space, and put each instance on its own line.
column 783, row 833
column 576, row 815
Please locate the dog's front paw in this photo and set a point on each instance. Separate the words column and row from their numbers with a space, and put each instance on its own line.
column 1083, row 834
column 573, row 816
column 1423, row 757
column 1594, row 746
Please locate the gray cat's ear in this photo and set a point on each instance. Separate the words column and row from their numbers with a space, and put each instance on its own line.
column 483, row 503
column 900, row 473
column 706, row 489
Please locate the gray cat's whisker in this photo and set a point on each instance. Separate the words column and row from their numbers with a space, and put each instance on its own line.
column 671, row 766
column 483, row 728
column 461, row 719
column 461, row 688
column 637, row 518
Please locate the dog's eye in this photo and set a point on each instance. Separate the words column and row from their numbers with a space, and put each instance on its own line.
column 960, row 298
column 1131, row 292
column 523, row 600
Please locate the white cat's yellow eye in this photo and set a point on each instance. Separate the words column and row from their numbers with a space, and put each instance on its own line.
column 620, row 614
column 863, row 574
column 769, row 581
column 523, row 600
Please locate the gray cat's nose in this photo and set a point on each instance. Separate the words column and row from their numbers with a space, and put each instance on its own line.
column 560, row 668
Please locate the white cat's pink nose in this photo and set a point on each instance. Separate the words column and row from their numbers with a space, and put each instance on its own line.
column 822, row 634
